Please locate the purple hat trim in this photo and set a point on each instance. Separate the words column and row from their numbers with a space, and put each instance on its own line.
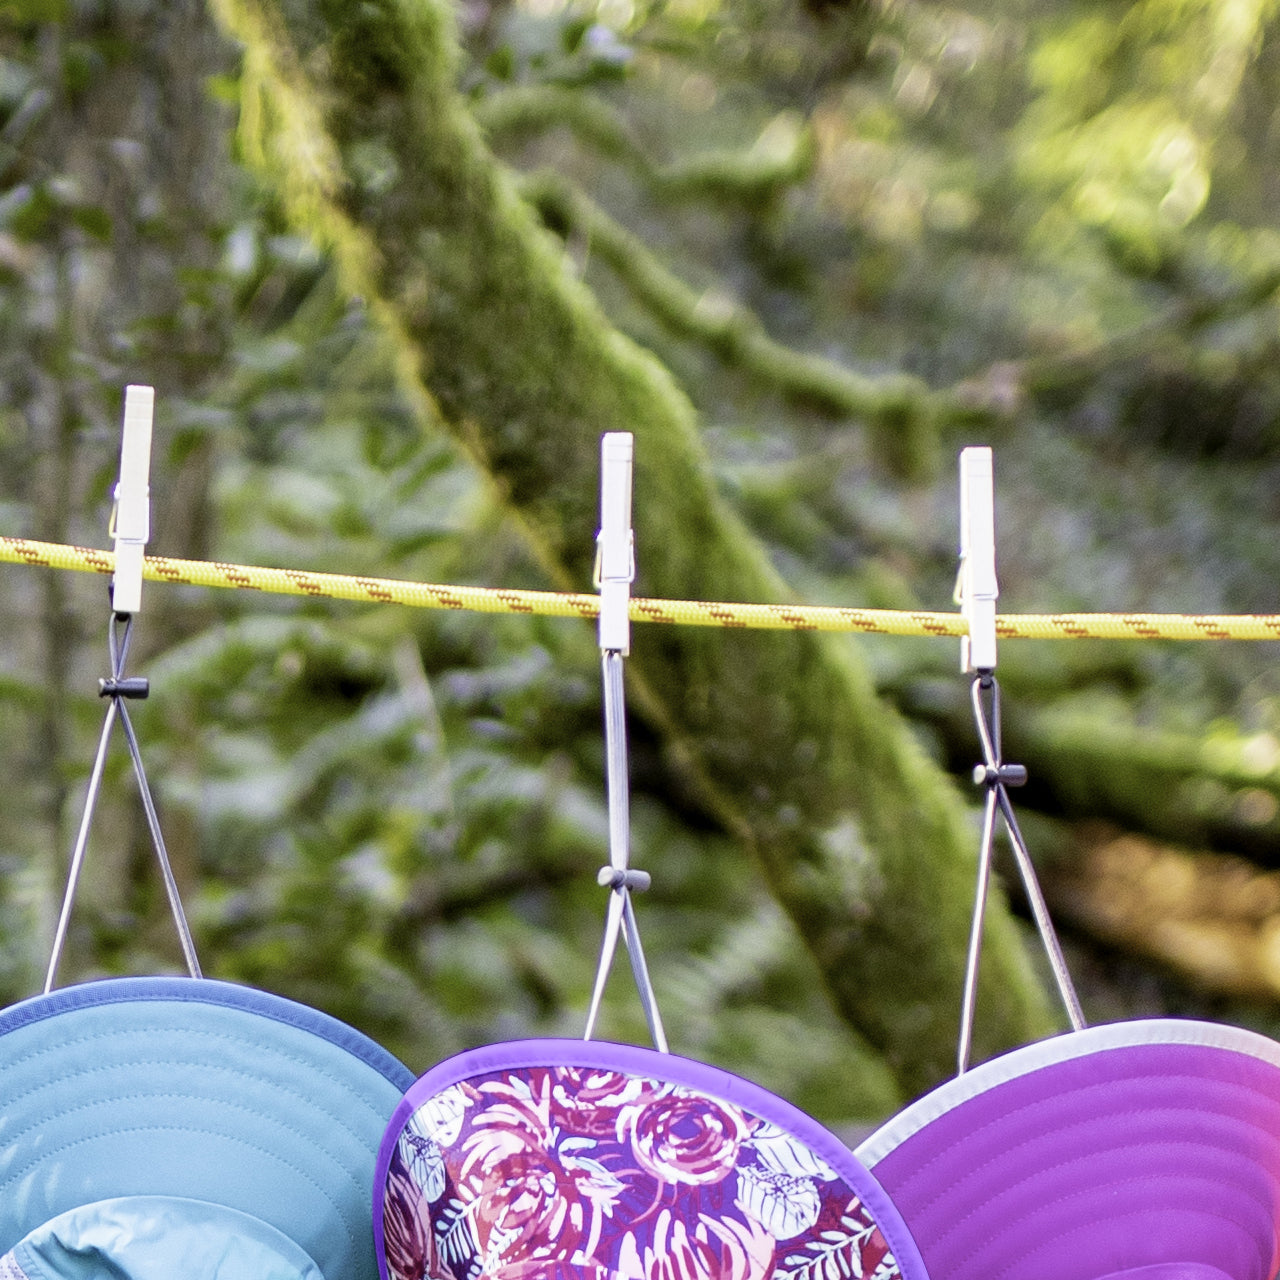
column 1139, row 1150
column 580, row 1160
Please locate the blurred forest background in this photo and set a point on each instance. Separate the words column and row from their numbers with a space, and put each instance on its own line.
column 393, row 266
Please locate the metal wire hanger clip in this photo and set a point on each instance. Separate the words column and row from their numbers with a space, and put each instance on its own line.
column 977, row 590
column 130, row 528
column 614, row 574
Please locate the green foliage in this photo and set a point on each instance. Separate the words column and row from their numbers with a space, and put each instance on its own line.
column 848, row 238
column 402, row 817
column 1128, row 114
column 453, row 263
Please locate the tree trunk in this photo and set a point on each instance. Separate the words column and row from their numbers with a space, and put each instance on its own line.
column 351, row 111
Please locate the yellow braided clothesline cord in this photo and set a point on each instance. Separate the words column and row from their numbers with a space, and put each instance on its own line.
column 777, row 617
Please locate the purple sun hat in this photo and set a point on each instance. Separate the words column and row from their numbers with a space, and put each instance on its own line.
column 1142, row 1150
column 1146, row 1149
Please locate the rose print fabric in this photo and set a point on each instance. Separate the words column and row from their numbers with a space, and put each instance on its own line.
column 589, row 1173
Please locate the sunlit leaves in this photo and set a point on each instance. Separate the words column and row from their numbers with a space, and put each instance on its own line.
column 1129, row 114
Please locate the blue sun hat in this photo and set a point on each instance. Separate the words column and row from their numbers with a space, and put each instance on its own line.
column 156, row 1128
column 160, row 1127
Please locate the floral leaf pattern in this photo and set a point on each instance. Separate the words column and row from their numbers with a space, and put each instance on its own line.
column 850, row 1251
column 424, row 1163
column 572, row 1173
column 781, row 1152
column 786, row 1206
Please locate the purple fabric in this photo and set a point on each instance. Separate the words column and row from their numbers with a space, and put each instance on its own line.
column 1150, row 1161
column 1169, row 1271
column 572, row 1160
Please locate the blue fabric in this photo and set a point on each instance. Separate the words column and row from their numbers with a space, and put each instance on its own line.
column 196, row 1089
column 159, row 1238
column 207, row 991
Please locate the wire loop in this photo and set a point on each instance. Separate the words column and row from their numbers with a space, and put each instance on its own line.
column 118, row 687
column 619, row 877
column 997, row 777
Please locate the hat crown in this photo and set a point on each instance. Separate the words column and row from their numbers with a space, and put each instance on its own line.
column 156, row 1238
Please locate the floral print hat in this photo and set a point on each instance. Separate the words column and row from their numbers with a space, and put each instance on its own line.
column 579, row 1160
column 575, row 1160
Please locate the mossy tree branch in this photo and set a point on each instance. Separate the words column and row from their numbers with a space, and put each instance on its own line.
column 1218, row 789
column 901, row 411
column 750, row 176
column 779, row 736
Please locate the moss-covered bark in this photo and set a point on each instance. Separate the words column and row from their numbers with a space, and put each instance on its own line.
column 352, row 111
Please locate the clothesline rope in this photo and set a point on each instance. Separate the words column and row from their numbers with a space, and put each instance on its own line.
column 776, row 617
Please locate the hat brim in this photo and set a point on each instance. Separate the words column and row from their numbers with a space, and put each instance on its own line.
column 1147, row 1148
column 199, row 1089
column 583, row 1160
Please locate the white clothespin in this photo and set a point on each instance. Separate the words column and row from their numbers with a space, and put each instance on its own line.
column 615, row 571
column 131, row 518
column 615, row 543
column 976, row 587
